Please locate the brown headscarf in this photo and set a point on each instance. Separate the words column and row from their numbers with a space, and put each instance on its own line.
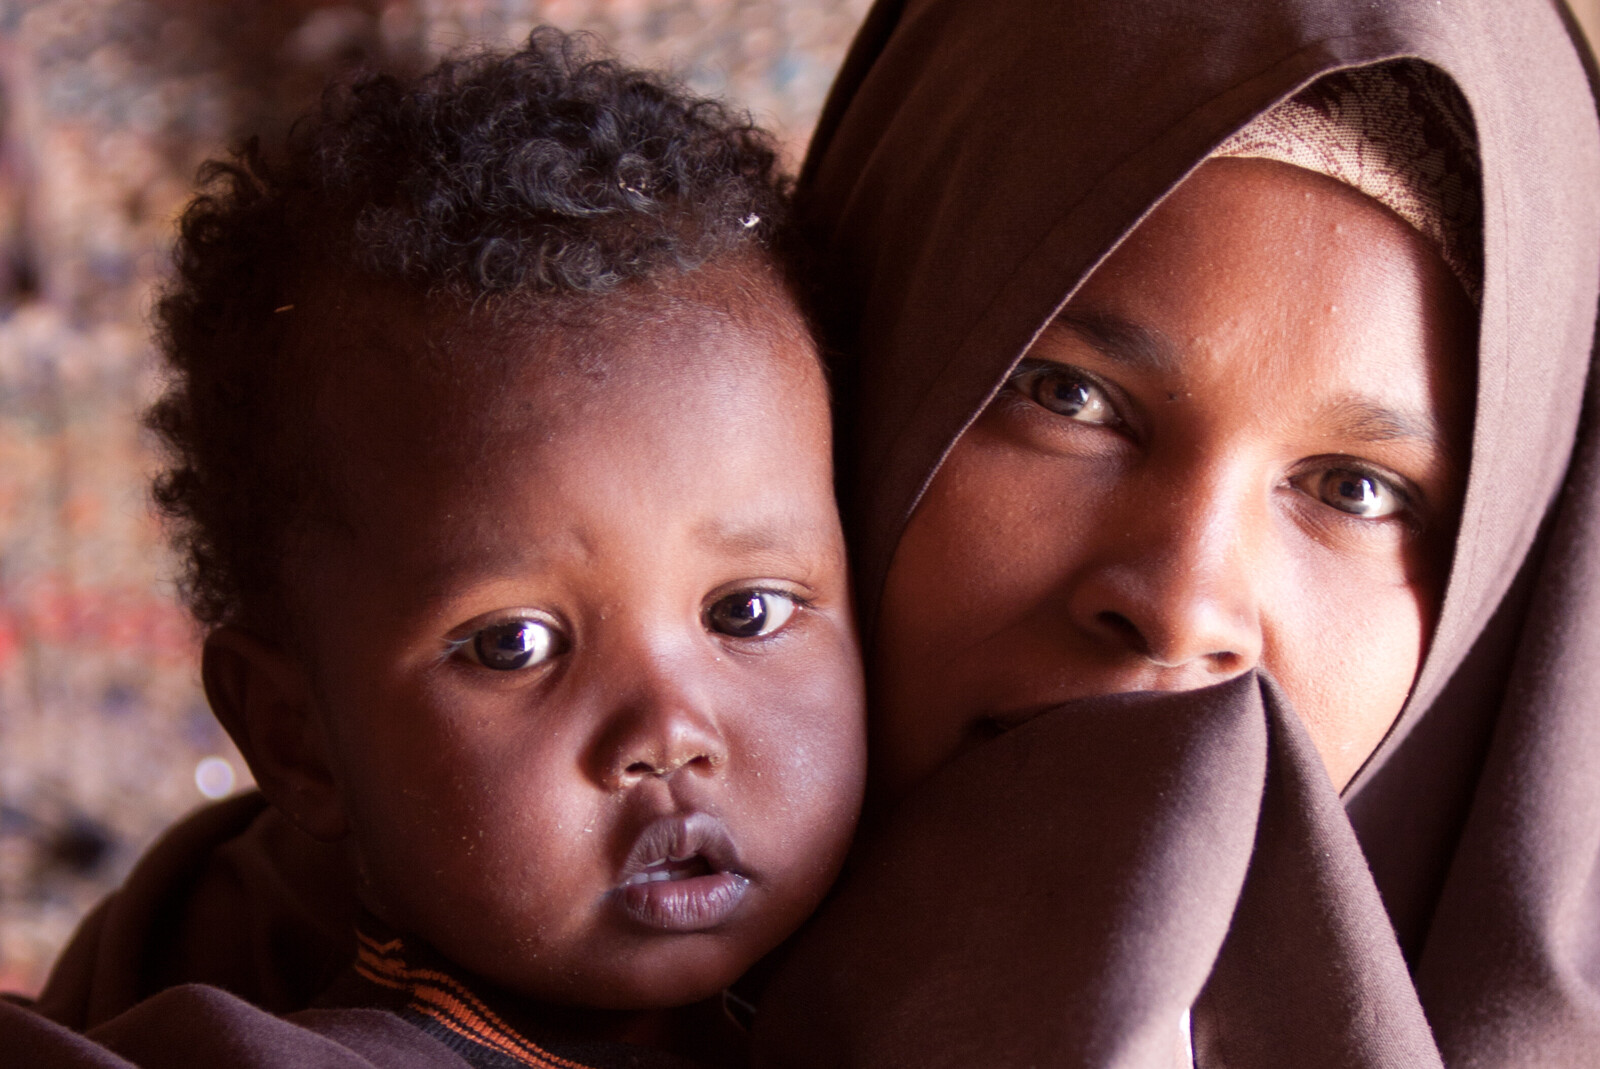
column 1060, row 895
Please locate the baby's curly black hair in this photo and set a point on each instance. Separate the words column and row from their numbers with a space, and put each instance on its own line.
column 553, row 173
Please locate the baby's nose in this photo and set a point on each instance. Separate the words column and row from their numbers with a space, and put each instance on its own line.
column 661, row 729
column 659, row 760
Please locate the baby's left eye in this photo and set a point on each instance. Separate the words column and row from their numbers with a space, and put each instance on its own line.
column 1359, row 493
column 750, row 613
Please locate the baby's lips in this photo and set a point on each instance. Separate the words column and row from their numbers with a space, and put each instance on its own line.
column 660, row 892
column 679, row 838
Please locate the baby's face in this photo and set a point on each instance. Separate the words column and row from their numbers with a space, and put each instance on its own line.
column 1242, row 444
column 584, row 655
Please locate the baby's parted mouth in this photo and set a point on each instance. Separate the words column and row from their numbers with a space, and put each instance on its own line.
column 671, row 868
column 670, row 848
column 682, row 875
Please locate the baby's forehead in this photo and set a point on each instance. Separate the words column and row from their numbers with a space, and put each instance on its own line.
column 358, row 333
column 448, row 444
column 427, row 391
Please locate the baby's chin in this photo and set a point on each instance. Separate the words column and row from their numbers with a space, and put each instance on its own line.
column 667, row 980
column 612, row 962
column 678, row 971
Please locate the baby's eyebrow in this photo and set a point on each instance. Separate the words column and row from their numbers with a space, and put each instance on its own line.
column 456, row 572
column 1118, row 339
column 752, row 539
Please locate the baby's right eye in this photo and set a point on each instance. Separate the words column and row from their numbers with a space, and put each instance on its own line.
column 514, row 644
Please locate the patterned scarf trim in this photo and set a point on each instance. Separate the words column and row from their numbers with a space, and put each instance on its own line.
column 1399, row 132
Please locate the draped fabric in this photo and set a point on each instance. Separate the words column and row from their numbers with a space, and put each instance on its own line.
column 1060, row 895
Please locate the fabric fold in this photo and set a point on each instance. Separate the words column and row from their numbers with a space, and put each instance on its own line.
column 1122, row 907
column 233, row 896
column 1526, row 989
column 195, row 1025
column 1310, row 974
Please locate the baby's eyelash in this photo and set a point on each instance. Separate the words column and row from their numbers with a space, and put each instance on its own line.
column 762, row 627
column 509, row 643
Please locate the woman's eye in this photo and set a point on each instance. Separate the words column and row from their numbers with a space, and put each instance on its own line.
column 1068, row 392
column 750, row 613
column 1358, row 493
column 514, row 644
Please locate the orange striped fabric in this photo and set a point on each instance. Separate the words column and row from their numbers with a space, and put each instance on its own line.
column 445, row 1001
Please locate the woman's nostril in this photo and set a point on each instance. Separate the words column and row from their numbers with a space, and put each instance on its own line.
column 1174, row 646
column 1124, row 629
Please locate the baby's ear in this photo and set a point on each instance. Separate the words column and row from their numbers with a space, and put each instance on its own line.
column 265, row 701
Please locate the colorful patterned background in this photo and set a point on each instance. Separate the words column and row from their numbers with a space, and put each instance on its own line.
column 106, row 109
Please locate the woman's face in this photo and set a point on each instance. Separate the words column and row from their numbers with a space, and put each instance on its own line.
column 1242, row 444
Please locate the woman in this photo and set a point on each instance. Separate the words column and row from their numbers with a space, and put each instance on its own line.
column 1357, row 824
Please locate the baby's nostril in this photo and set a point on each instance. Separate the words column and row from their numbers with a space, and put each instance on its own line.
column 640, row 768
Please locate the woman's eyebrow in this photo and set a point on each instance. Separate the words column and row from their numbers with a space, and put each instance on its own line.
column 1368, row 420
column 1115, row 338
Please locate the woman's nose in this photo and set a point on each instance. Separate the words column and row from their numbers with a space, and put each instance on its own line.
column 1178, row 585
column 661, row 724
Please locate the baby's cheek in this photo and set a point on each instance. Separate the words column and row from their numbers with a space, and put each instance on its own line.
column 806, row 766
column 467, row 845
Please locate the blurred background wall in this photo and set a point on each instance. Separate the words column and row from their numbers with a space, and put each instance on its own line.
column 106, row 108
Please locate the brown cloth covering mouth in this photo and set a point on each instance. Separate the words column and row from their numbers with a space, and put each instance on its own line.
column 974, row 164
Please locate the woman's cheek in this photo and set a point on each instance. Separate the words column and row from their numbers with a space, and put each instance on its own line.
column 966, row 604
column 1346, row 648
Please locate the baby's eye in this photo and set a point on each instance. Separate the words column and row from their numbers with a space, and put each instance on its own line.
column 1359, row 493
column 514, row 644
column 750, row 613
column 1066, row 391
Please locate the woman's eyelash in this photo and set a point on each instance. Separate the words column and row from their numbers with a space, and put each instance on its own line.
column 1067, row 391
column 1361, row 490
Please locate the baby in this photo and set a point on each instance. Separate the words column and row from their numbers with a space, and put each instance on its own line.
column 499, row 448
